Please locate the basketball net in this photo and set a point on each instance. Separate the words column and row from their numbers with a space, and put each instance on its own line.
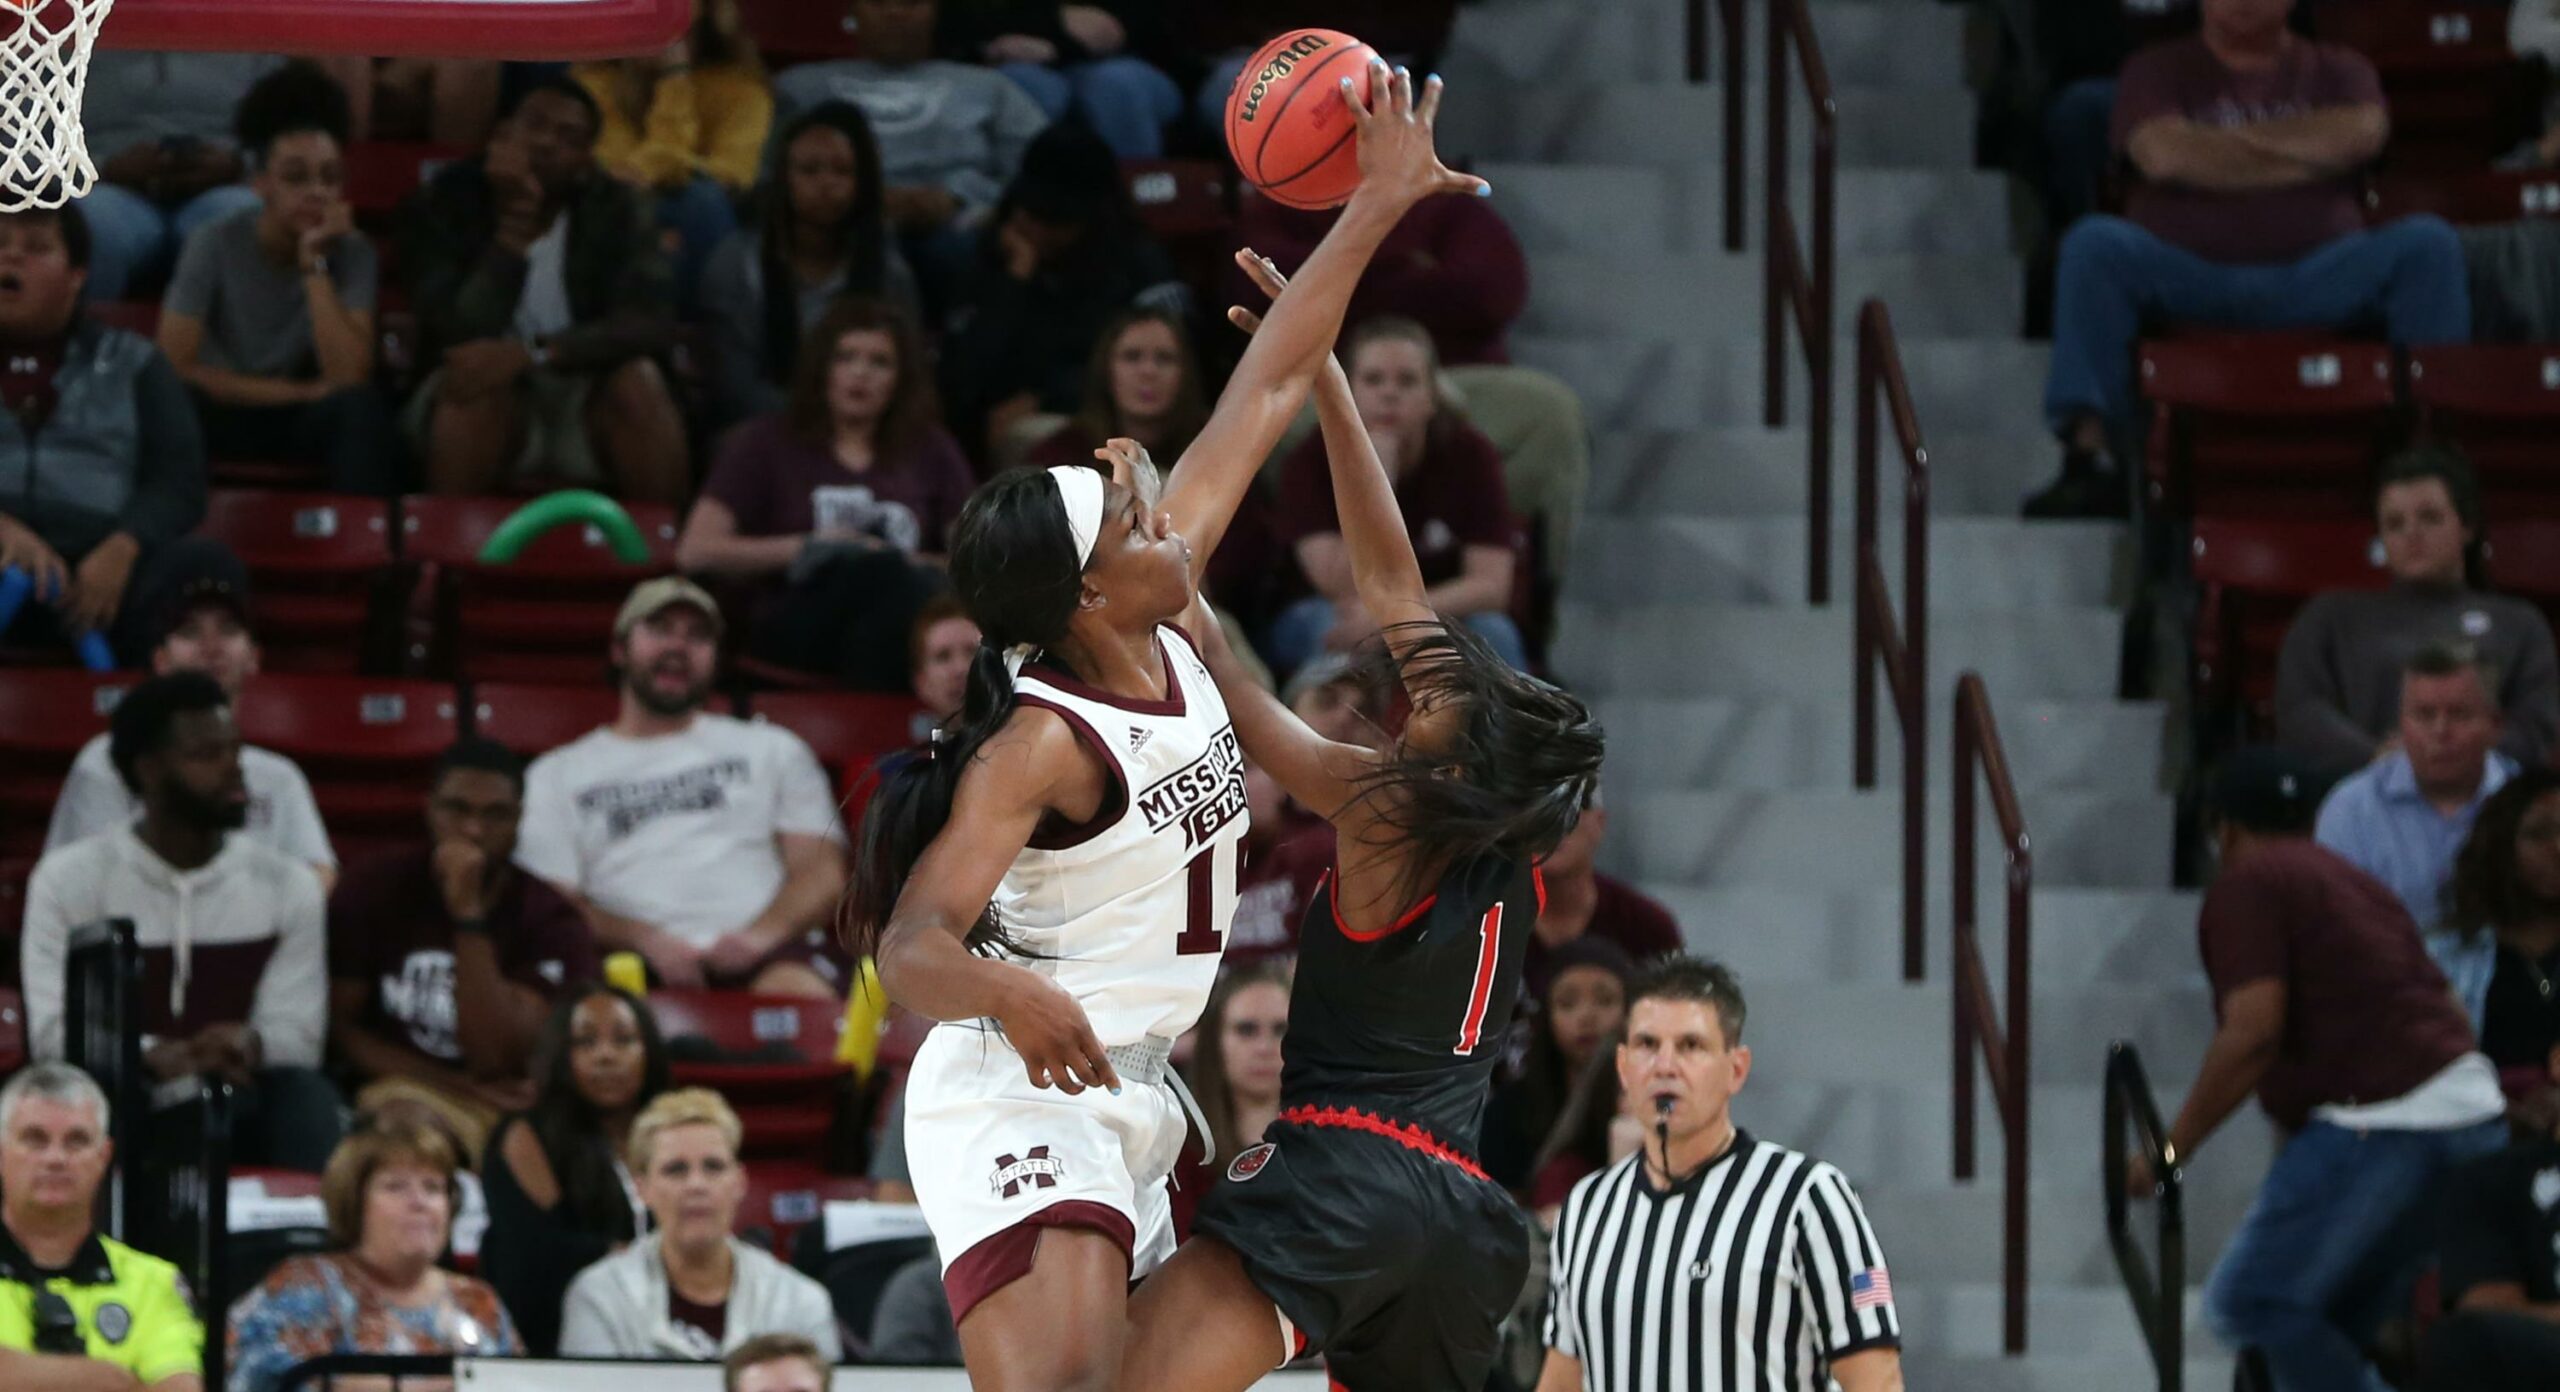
column 44, row 73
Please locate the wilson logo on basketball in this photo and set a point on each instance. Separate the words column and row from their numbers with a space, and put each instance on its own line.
column 1282, row 64
column 1036, row 1168
column 1203, row 795
column 1250, row 1163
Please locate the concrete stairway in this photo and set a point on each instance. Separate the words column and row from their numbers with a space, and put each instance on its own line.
column 1727, row 696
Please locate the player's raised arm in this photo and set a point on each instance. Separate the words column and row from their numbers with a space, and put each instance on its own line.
column 1398, row 168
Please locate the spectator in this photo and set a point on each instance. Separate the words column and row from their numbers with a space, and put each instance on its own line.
column 1454, row 267
column 1597, row 1127
column 130, row 1321
column 441, row 101
column 2501, row 1269
column 444, row 960
column 705, row 843
column 2500, row 943
column 1075, row 58
column 2250, row 140
column 774, row 1363
column 206, row 630
column 2402, row 818
column 559, row 1199
column 687, row 125
column 1583, row 903
column 951, row 134
column 543, row 301
column 160, row 124
column 939, row 649
column 1525, row 1147
column 105, row 475
column 233, row 945
column 390, row 1192
column 2339, row 677
column 270, row 316
column 821, row 234
column 1235, row 1076
column 1449, row 483
column 1285, row 858
column 837, row 509
column 2329, row 1010
column 690, row 1290
column 1063, row 254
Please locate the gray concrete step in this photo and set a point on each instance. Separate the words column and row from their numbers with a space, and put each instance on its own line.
column 1867, row 43
column 1958, row 385
column 1974, row 563
column 2118, row 839
column 1684, row 650
column 2082, row 937
column 1802, row 744
column 1683, row 297
column 1941, row 1234
column 1593, row 208
column 1674, row 125
column 1750, row 471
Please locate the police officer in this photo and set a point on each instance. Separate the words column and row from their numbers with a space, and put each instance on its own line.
column 79, row 1311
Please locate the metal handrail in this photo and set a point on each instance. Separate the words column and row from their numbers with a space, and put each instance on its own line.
column 1729, row 13
column 1796, row 280
column 2004, row 1052
column 2159, row 1298
column 1900, row 647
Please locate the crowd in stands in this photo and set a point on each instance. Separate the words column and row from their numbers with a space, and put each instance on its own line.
column 788, row 315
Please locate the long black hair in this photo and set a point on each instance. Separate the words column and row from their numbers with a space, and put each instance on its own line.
column 1013, row 565
column 570, row 1129
column 2485, row 892
column 862, row 242
column 1515, row 774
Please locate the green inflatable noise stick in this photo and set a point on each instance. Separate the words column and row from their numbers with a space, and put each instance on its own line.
column 569, row 505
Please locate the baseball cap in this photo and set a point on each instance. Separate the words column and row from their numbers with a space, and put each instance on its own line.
column 205, row 592
column 2267, row 787
column 653, row 597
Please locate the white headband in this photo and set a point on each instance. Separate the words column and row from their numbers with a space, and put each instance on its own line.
column 1080, row 494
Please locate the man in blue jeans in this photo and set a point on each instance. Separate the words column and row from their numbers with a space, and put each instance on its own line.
column 2249, row 139
column 2330, row 1010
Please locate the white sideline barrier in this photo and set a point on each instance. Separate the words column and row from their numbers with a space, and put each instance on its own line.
column 535, row 1375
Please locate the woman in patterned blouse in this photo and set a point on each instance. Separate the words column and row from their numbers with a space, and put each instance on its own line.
column 390, row 1192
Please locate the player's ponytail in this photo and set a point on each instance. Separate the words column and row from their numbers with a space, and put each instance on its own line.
column 1015, row 566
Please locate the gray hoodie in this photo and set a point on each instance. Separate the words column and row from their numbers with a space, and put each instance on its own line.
column 954, row 125
column 617, row 1308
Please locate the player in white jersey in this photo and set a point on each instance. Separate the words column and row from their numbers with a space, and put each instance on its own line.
column 1053, row 877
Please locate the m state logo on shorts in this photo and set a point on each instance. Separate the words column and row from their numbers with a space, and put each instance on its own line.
column 1037, row 1168
column 1250, row 1163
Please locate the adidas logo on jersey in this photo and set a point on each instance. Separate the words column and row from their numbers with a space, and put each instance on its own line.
column 1138, row 737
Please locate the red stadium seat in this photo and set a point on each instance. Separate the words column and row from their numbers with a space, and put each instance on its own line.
column 13, row 1031
column 2457, row 95
column 381, row 174
column 534, row 720
column 2489, row 195
column 2524, row 560
column 548, row 616
column 366, row 743
column 1181, row 197
column 133, row 316
column 13, row 914
column 2501, row 405
column 786, row 1107
column 2245, row 427
column 322, row 569
column 799, row 31
column 46, row 714
column 847, row 730
column 2253, row 575
column 784, row 1196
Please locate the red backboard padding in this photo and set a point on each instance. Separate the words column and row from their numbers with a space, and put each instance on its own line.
column 521, row 29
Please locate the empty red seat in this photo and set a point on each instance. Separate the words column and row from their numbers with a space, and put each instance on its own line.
column 2252, row 576
column 366, row 743
column 787, row 1104
column 798, row 31
column 2501, row 405
column 2524, row 560
column 323, row 574
column 1181, row 197
column 46, row 714
column 2477, row 196
column 545, row 617
column 847, row 730
column 784, row 1196
column 2458, row 97
column 533, row 720
column 2248, row 427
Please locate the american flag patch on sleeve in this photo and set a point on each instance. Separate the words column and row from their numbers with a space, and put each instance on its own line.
column 1870, row 1289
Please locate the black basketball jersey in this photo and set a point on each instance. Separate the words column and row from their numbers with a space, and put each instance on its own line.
column 1409, row 1023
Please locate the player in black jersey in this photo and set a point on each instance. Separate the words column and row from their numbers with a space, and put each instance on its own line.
column 1361, row 1227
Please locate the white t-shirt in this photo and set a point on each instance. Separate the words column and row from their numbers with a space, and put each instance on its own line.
column 282, row 814
column 542, row 308
column 677, row 830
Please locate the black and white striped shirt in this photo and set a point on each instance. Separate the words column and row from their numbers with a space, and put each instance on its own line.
column 1750, row 1276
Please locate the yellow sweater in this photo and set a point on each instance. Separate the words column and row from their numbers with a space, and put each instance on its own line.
column 711, row 121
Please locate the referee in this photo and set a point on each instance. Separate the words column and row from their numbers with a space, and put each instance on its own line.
column 1710, row 1261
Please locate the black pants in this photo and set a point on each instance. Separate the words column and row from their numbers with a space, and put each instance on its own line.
column 350, row 431
column 849, row 619
column 2492, row 1351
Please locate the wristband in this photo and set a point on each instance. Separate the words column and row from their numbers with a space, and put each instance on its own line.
column 471, row 925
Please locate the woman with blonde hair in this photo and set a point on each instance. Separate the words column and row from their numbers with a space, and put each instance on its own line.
column 689, row 1290
column 389, row 1191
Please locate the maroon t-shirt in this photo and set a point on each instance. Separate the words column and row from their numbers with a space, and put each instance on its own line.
column 1452, row 498
column 388, row 928
column 2367, row 1014
column 1623, row 915
column 1272, row 894
column 777, row 483
column 1451, row 266
column 706, row 1325
column 2183, row 78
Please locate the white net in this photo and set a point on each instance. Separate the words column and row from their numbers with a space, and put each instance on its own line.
column 44, row 73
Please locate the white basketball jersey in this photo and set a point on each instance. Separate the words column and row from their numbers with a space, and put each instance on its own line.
column 1129, row 912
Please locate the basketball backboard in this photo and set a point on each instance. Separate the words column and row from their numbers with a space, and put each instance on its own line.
column 522, row 29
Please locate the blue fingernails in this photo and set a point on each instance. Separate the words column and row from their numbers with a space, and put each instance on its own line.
column 1346, row 84
column 1403, row 71
column 1115, row 1092
column 1484, row 190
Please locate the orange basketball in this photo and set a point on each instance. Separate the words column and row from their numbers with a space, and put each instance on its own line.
column 1287, row 125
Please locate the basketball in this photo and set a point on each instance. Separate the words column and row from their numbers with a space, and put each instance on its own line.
column 1287, row 125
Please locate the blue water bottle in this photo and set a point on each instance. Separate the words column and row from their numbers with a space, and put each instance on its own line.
column 14, row 589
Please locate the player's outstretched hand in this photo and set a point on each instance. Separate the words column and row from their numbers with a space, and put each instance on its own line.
column 1396, row 154
column 1056, row 1041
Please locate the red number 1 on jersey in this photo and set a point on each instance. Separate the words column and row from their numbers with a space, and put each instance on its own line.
column 1199, row 919
column 1480, row 996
